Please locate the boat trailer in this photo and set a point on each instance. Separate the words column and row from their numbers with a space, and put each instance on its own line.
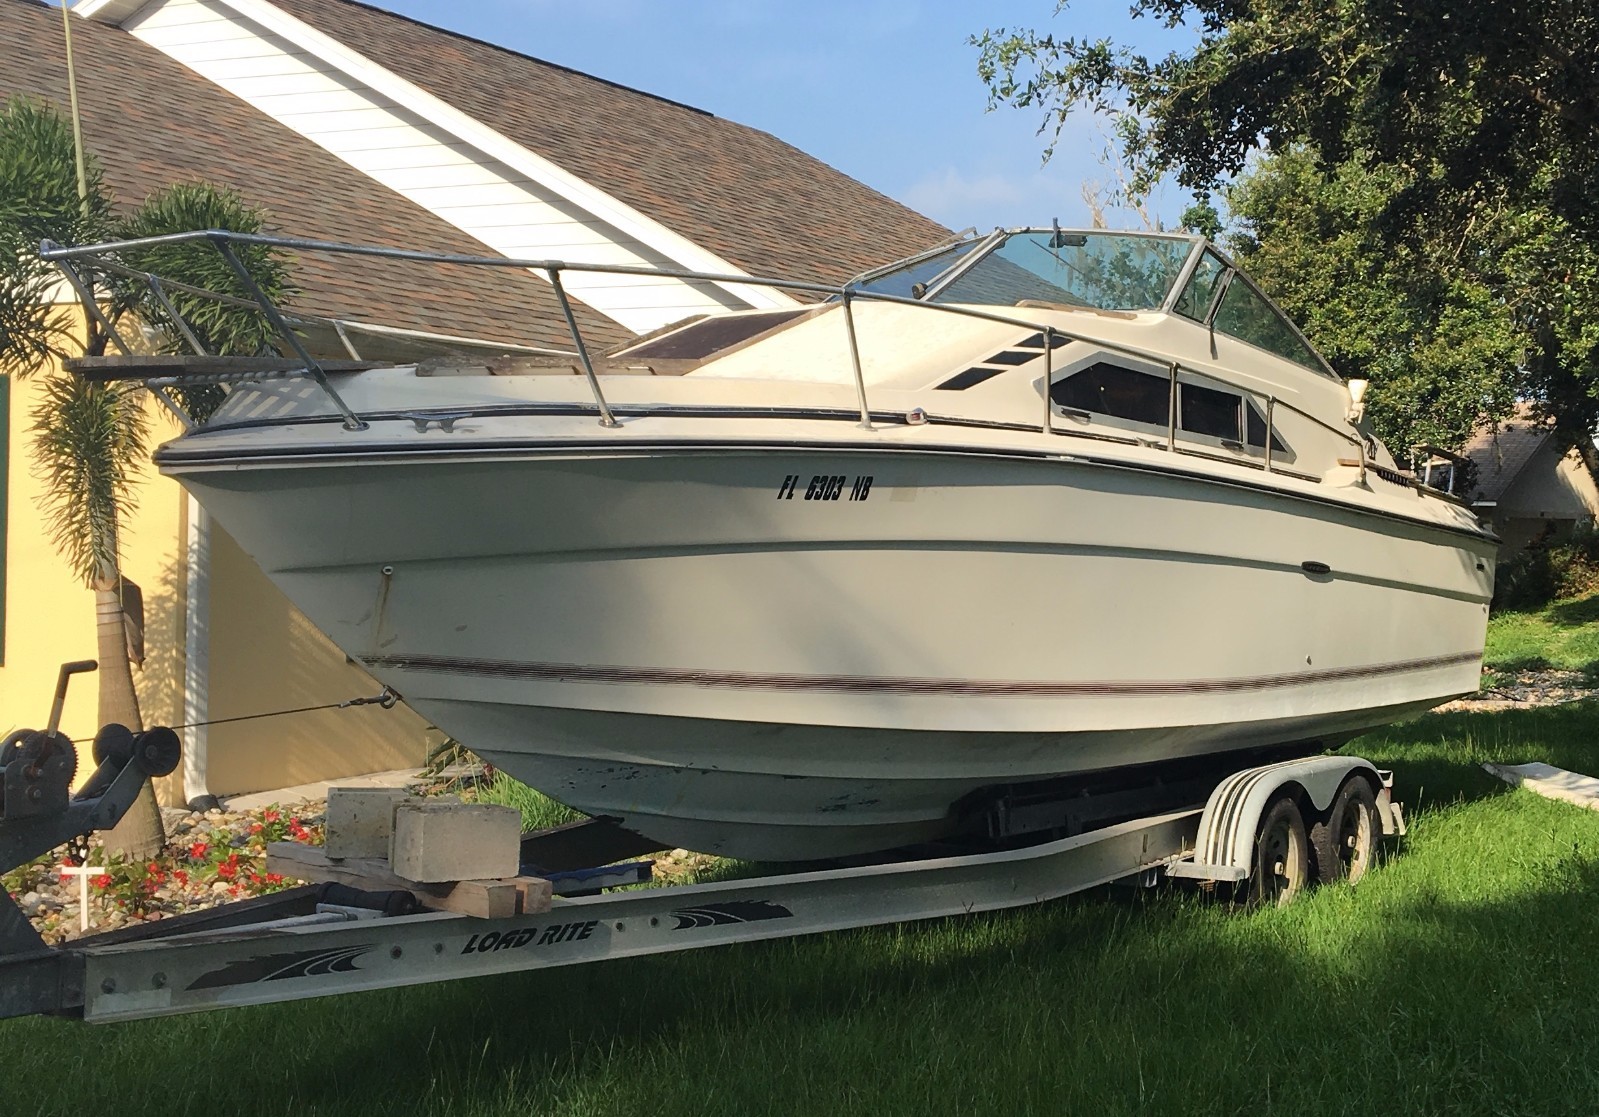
column 1263, row 829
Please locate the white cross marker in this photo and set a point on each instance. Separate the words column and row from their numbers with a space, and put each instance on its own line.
column 83, row 873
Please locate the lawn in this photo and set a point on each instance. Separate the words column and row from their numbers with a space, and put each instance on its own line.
column 1563, row 635
column 1459, row 977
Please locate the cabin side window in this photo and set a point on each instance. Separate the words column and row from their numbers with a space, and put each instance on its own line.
column 1219, row 414
column 1108, row 389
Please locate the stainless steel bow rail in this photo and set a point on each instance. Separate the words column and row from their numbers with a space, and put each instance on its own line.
column 105, row 257
column 320, row 940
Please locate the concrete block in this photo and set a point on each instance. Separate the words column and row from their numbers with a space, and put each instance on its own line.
column 442, row 840
column 361, row 821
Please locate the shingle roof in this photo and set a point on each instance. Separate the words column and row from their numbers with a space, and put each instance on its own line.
column 741, row 193
column 151, row 122
column 1500, row 452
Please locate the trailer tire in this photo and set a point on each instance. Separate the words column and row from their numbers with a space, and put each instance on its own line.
column 1282, row 854
column 1345, row 845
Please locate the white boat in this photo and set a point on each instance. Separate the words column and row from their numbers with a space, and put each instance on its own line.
column 798, row 584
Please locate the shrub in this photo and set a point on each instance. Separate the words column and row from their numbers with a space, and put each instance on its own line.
column 1548, row 570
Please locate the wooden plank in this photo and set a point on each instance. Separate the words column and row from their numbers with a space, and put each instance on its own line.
column 1551, row 782
column 486, row 899
column 148, row 367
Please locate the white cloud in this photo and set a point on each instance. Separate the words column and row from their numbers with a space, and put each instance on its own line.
column 948, row 194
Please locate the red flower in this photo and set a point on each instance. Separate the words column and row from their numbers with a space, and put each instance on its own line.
column 181, row 877
column 153, row 869
column 274, row 878
column 197, row 850
column 102, row 881
column 233, row 890
column 270, row 816
column 256, row 828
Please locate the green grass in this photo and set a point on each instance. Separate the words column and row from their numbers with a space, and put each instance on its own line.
column 1461, row 977
column 1561, row 635
column 539, row 811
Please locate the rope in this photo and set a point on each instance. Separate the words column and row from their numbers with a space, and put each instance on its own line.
column 385, row 698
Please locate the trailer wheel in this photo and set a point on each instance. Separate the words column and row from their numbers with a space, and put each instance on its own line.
column 1282, row 855
column 1346, row 844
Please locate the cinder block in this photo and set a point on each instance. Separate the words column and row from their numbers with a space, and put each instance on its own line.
column 442, row 840
column 361, row 821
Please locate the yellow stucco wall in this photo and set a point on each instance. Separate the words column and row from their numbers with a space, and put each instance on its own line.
column 266, row 656
column 263, row 654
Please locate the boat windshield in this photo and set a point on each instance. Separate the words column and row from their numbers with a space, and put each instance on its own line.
column 1106, row 271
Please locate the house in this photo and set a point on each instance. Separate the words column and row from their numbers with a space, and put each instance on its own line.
column 348, row 123
column 1525, row 486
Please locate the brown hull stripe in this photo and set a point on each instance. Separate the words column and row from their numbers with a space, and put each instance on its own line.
column 879, row 684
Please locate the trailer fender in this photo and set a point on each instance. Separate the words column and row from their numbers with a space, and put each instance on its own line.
column 1225, row 845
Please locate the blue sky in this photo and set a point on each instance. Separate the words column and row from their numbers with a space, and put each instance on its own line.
column 885, row 90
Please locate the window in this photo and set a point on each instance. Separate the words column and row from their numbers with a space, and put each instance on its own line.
column 1119, row 392
column 1104, row 270
column 1246, row 315
column 1194, row 302
column 698, row 340
column 1210, row 412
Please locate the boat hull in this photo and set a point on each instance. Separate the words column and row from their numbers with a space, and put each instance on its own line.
column 678, row 637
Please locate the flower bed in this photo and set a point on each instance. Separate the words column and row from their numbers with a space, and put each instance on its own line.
column 209, row 859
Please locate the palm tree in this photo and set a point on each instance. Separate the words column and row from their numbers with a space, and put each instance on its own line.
column 89, row 437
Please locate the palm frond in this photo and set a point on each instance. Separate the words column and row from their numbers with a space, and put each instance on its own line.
column 38, row 200
column 38, row 178
column 222, row 328
column 88, row 441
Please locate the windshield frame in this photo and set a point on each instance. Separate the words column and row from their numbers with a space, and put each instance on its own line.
column 999, row 237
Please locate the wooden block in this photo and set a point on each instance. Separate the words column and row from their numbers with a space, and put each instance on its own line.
column 360, row 821
column 486, row 899
column 441, row 840
column 535, row 893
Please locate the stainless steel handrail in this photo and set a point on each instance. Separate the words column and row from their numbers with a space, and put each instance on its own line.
column 553, row 269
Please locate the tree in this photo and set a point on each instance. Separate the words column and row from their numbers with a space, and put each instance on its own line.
column 1438, row 345
column 1471, row 97
column 1482, row 119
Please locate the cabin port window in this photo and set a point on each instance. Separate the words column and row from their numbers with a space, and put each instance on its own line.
column 1121, row 393
column 1256, row 429
column 1244, row 314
